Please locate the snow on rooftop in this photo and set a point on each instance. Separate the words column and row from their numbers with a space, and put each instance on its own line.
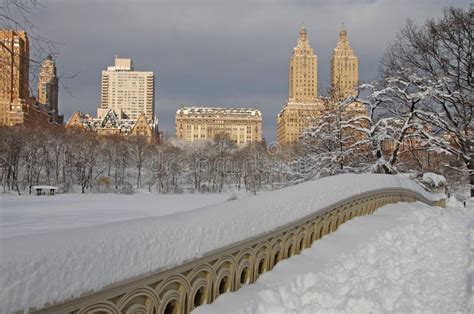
column 57, row 265
column 109, row 120
column 220, row 110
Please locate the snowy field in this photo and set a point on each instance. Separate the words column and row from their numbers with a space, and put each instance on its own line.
column 76, row 247
column 29, row 215
column 406, row 258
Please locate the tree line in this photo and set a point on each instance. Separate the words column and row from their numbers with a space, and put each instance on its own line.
column 73, row 159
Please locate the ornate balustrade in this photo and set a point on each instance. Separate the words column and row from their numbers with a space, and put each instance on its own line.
column 182, row 288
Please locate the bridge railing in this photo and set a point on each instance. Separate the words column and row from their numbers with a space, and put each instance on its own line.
column 202, row 280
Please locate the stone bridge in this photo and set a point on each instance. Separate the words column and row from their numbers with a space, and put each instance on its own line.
column 200, row 281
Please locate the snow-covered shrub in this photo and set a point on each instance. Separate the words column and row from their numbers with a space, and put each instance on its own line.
column 434, row 180
column 233, row 197
column 127, row 188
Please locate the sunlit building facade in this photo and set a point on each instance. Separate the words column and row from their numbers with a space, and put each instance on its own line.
column 303, row 106
column 111, row 124
column 241, row 125
column 14, row 76
column 344, row 68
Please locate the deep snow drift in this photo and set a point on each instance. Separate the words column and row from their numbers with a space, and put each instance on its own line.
column 29, row 215
column 406, row 258
column 61, row 264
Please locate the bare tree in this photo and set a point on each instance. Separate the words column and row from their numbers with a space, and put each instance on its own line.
column 391, row 120
column 139, row 155
column 331, row 146
column 441, row 52
column 12, row 142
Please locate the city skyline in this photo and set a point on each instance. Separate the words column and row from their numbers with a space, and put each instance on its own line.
column 216, row 54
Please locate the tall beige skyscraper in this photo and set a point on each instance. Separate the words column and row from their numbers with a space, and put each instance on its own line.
column 14, row 76
column 303, row 71
column 344, row 68
column 48, row 85
column 128, row 92
column 303, row 105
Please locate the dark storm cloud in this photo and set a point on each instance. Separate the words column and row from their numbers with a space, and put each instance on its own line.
column 217, row 53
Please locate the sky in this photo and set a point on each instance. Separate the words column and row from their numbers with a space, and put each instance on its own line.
column 215, row 52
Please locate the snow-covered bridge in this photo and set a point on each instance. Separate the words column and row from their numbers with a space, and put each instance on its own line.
column 176, row 262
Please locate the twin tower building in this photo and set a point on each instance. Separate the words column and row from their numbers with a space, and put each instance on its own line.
column 299, row 112
column 304, row 105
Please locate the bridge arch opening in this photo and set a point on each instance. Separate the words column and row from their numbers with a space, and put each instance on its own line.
column 199, row 297
column 302, row 244
column 171, row 308
column 244, row 276
column 261, row 266
column 276, row 258
column 224, row 285
column 320, row 235
column 290, row 251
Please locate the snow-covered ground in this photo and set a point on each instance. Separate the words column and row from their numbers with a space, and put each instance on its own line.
column 30, row 215
column 51, row 266
column 406, row 258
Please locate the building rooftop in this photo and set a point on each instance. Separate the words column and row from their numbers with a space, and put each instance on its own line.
column 110, row 121
column 220, row 110
column 121, row 64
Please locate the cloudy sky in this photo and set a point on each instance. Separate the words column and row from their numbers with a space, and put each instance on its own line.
column 215, row 52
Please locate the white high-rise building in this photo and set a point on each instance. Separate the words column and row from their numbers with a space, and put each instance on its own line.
column 126, row 91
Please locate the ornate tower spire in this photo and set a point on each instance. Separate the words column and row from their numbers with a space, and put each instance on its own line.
column 343, row 42
column 303, row 32
column 344, row 68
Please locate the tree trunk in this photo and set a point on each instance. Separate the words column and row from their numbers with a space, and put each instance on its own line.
column 471, row 175
column 470, row 165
